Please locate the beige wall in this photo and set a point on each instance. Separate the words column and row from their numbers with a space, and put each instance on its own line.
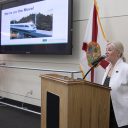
column 16, row 83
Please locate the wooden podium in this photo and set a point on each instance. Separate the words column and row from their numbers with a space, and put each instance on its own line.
column 69, row 103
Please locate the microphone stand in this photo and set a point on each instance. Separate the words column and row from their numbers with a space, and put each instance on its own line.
column 90, row 69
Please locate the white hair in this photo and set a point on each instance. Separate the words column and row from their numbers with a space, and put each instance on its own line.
column 119, row 47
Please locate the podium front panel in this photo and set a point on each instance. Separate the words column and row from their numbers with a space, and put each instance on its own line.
column 52, row 110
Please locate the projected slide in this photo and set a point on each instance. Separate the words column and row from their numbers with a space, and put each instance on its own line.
column 44, row 22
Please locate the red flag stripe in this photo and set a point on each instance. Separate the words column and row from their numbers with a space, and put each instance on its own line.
column 84, row 47
column 104, row 63
column 92, row 75
column 94, row 25
column 94, row 34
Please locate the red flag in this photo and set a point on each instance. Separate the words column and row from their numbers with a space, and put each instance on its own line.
column 94, row 45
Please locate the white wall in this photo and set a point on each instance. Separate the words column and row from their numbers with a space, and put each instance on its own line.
column 16, row 83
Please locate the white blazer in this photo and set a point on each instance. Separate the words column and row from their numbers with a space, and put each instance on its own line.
column 119, row 92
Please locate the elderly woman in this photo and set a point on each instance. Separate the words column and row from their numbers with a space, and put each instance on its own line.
column 116, row 77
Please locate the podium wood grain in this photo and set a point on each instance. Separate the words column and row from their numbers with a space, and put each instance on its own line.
column 82, row 104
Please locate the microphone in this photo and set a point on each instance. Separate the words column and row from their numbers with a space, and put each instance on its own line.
column 96, row 61
column 94, row 64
